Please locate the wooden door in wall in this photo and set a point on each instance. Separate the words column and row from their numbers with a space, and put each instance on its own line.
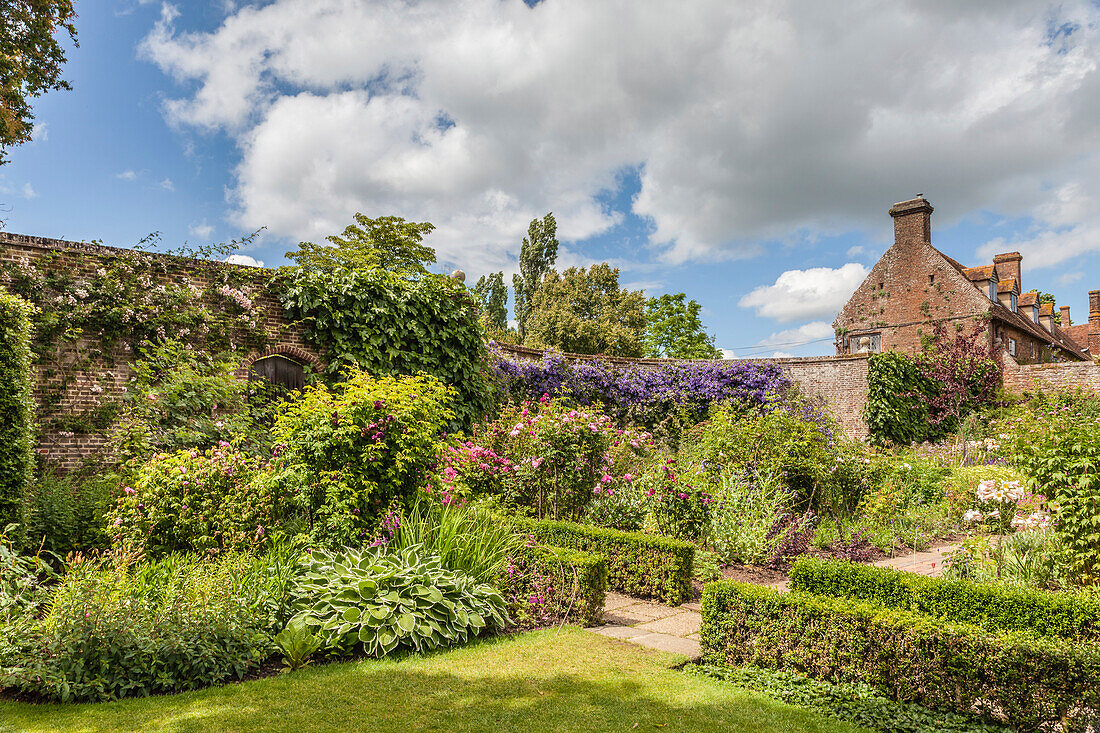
column 279, row 370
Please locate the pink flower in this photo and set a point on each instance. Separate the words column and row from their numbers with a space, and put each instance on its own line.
column 128, row 490
column 118, row 521
column 545, row 398
column 536, row 462
column 606, row 478
column 628, row 478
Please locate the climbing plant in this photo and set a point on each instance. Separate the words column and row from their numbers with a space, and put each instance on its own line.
column 16, row 407
column 386, row 324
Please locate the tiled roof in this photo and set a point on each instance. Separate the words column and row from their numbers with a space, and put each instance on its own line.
column 1046, row 309
column 1028, row 298
column 1008, row 286
column 1079, row 333
column 984, row 272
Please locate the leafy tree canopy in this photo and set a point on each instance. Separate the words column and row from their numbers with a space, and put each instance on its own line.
column 388, row 243
column 673, row 329
column 492, row 296
column 585, row 312
column 536, row 257
column 30, row 61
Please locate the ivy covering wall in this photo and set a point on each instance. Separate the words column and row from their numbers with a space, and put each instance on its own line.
column 387, row 323
column 16, row 403
column 895, row 411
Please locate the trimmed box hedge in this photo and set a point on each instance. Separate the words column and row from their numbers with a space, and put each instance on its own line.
column 16, row 404
column 1022, row 679
column 995, row 607
column 580, row 579
column 638, row 564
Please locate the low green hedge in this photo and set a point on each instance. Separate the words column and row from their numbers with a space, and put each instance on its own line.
column 639, row 564
column 554, row 584
column 995, row 607
column 16, row 403
column 1022, row 679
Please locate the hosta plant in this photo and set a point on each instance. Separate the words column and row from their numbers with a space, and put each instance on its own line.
column 380, row 601
column 297, row 644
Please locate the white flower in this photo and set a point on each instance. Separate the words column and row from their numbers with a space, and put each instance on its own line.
column 972, row 515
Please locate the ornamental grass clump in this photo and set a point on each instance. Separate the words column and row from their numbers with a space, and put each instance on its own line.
column 376, row 601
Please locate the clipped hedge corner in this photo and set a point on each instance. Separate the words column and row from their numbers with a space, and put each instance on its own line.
column 639, row 564
column 16, row 403
column 994, row 607
column 555, row 584
column 1027, row 681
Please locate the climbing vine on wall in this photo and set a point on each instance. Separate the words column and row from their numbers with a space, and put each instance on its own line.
column 386, row 323
column 94, row 313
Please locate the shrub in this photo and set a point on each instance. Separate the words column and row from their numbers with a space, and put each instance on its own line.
column 191, row 501
column 16, row 403
column 995, row 607
column 63, row 512
column 466, row 538
column 424, row 325
column 681, row 509
column 345, row 455
column 115, row 629
column 638, row 564
column 545, row 585
column 21, row 582
column 745, row 510
column 380, row 601
column 647, row 396
column 1025, row 680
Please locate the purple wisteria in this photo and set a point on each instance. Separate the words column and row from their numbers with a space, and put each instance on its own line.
column 646, row 394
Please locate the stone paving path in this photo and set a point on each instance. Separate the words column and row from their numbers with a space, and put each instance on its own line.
column 676, row 629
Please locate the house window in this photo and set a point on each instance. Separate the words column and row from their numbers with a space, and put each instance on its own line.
column 993, row 290
column 931, row 279
column 1013, row 295
column 865, row 343
column 279, row 370
column 1012, row 347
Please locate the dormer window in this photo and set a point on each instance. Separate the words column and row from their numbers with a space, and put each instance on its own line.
column 1013, row 302
column 992, row 290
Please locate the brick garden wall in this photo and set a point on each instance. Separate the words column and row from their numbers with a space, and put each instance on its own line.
column 105, row 376
column 1020, row 378
column 841, row 381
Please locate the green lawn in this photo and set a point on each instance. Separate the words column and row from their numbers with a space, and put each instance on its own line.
column 570, row 680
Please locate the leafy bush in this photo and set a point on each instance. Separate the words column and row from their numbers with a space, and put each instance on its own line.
column 345, row 455
column 21, row 581
column 895, row 413
column 960, row 482
column 545, row 585
column 681, row 509
column 17, row 433
column 995, row 607
column 466, row 538
column 113, row 629
column 381, row 601
column 647, row 396
column 857, row 703
column 64, row 512
column 387, row 324
column 195, row 501
column 1058, row 446
column 746, row 508
column 1024, row 680
column 297, row 644
column 642, row 565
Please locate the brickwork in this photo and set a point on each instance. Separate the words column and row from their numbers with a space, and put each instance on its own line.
column 105, row 375
column 1020, row 378
column 840, row 381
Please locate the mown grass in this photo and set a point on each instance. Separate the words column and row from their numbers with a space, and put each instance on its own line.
column 570, row 680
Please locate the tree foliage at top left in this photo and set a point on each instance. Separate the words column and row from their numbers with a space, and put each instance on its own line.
column 30, row 61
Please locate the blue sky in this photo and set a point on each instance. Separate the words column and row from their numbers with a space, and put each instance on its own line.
column 745, row 156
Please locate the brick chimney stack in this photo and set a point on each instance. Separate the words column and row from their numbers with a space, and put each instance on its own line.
column 1066, row 322
column 912, row 221
column 1008, row 266
column 1094, row 323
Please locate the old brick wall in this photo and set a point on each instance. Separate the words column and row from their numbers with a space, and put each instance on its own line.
column 1020, row 378
column 104, row 376
column 841, row 381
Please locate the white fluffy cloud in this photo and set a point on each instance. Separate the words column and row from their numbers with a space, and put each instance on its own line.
column 801, row 294
column 201, row 230
column 747, row 122
column 239, row 259
column 807, row 333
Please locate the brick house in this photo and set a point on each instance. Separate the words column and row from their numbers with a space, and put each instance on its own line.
column 914, row 286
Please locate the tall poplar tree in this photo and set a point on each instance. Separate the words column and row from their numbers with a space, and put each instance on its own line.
column 536, row 258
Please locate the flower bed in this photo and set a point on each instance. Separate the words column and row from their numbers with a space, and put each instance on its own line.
column 1026, row 680
column 638, row 564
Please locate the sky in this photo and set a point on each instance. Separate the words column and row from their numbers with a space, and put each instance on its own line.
column 746, row 154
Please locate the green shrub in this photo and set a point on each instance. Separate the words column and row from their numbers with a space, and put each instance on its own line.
column 545, row 585
column 961, row 482
column 995, row 607
column 22, row 577
column 857, row 703
column 17, row 432
column 194, row 501
column 347, row 454
column 681, row 509
column 465, row 538
column 638, row 564
column 117, row 629
column 66, row 512
column 1025, row 680
column 380, row 601
column 745, row 512
column 386, row 324
column 895, row 412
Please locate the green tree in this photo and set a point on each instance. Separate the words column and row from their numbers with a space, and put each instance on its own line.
column 492, row 296
column 536, row 257
column 389, row 243
column 585, row 312
column 30, row 61
column 673, row 329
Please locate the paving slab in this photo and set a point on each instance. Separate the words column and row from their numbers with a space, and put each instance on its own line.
column 638, row 613
column 668, row 643
column 680, row 624
column 614, row 600
column 618, row 632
